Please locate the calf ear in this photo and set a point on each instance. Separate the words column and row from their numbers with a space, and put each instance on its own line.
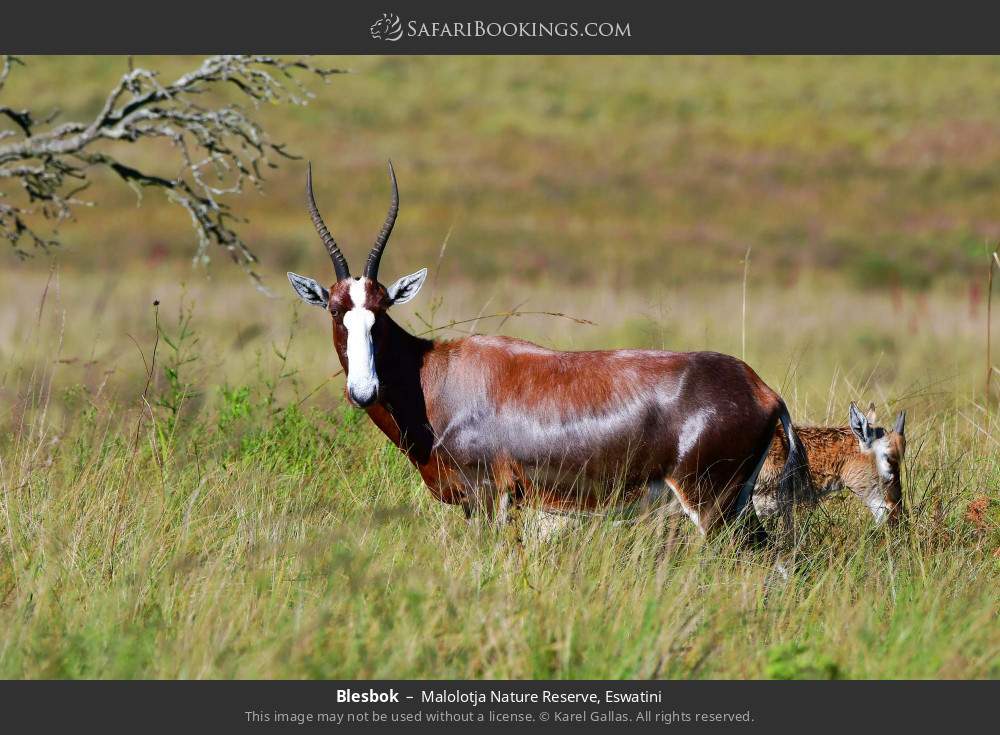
column 870, row 414
column 860, row 426
column 406, row 287
column 309, row 291
column 900, row 423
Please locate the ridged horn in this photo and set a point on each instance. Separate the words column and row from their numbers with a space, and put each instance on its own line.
column 371, row 267
column 339, row 261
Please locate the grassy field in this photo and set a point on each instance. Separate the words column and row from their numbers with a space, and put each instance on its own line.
column 186, row 494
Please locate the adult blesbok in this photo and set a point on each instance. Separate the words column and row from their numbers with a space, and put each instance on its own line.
column 861, row 458
column 485, row 419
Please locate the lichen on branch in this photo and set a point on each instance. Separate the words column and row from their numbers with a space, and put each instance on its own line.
column 221, row 149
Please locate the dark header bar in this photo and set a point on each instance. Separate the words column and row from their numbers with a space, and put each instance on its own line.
column 514, row 27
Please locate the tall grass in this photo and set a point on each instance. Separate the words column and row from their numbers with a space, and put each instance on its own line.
column 185, row 517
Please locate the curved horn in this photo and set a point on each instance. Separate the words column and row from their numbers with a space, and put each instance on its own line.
column 371, row 267
column 339, row 261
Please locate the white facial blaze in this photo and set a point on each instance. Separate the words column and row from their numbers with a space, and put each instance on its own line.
column 362, row 382
column 881, row 449
column 879, row 508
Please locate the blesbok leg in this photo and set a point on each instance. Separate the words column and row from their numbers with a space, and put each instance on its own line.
column 494, row 492
column 721, row 495
column 709, row 513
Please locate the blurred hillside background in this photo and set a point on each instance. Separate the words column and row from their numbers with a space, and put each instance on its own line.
column 626, row 191
column 595, row 170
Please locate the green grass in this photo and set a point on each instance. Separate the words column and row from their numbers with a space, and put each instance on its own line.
column 302, row 546
column 231, row 522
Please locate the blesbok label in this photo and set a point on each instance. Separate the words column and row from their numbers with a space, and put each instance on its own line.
column 367, row 695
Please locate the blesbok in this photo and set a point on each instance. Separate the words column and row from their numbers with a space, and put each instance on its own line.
column 486, row 419
column 862, row 458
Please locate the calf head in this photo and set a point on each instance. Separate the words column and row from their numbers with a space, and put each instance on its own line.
column 876, row 477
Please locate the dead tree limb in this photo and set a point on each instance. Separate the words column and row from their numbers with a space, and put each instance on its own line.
column 220, row 148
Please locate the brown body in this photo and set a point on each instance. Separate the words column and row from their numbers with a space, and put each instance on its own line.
column 483, row 417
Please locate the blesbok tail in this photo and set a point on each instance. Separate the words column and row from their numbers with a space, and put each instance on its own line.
column 794, row 481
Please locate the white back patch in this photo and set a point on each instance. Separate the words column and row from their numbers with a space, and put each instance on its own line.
column 691, row 432
column 362, row 382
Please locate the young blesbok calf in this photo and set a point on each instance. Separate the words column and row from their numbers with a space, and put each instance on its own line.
column 862, row 458
column 490, row 418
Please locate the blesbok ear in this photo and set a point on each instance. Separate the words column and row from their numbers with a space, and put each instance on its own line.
column 900, row 423
column 870, row 413
column 860, row 426
column 309, row 290
column 406, row 287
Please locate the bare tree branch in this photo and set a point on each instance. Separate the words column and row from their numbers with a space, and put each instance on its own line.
column 221, row 149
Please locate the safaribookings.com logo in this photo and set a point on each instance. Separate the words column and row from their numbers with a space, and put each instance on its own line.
column 387, row 28
column 390, row 28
